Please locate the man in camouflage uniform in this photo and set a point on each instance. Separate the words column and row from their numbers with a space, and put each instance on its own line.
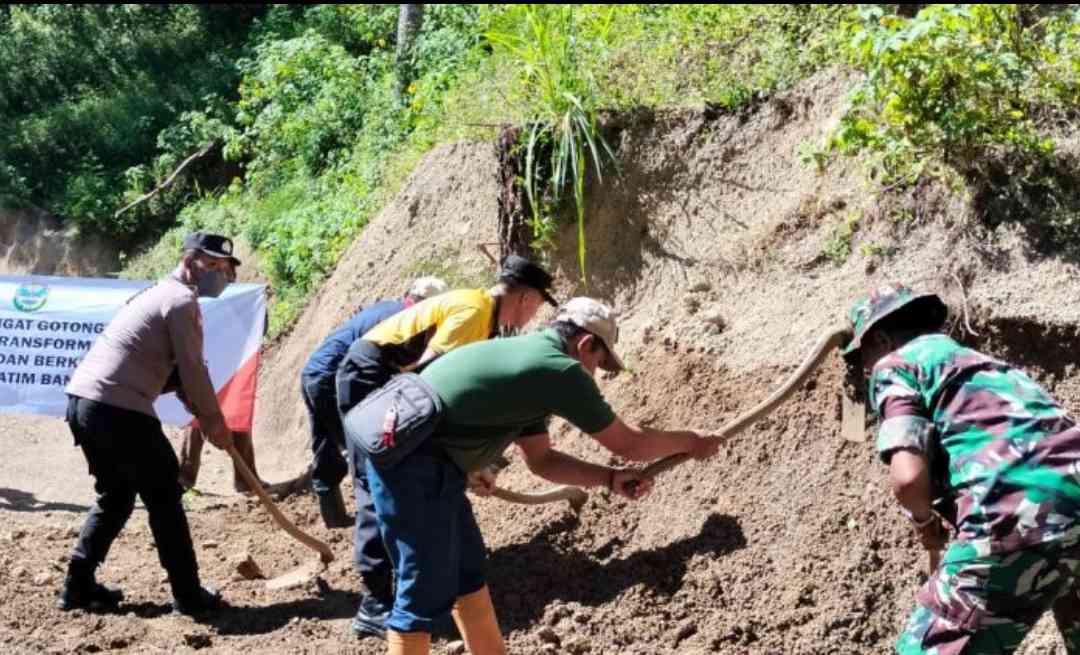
column 977, row 441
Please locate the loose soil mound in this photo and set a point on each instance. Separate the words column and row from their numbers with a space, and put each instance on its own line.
column 711, row 243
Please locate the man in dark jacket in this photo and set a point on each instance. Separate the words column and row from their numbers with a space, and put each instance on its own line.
column 410, row 340
column 317, row 387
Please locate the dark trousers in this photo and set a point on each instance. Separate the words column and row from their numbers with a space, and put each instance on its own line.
column 327, row 438
column 359, row 374
column 128, row 454
column 369, row 552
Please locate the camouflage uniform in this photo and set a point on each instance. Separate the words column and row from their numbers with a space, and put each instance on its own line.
column 1006, row 457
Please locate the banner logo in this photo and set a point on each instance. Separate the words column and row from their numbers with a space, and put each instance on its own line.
column 30, row 297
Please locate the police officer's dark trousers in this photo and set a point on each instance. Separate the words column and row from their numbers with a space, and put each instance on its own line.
column 128, row 454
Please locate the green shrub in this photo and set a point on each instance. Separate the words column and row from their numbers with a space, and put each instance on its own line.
column 571, row 61
column 837, row 245
column 722, row 54
column 956, row 81
column 302, row 101
column 561, row 100
column 319, row 126
column 85, row 90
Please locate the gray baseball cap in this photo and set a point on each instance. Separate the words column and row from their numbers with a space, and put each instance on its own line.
column 598, row 319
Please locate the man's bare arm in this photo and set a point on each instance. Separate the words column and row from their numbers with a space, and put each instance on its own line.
column 561, row 468
column 648, row 444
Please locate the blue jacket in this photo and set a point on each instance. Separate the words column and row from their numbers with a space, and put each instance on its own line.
column 324, row 361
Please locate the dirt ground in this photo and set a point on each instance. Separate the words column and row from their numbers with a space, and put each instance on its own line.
column 709, row 242
column 31, row 240
column 787, row 543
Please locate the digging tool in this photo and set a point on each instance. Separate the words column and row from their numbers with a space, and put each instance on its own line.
column 298, row 484
column 852, row 418
column 831, row 340
column 305, row 572
column 573, row 495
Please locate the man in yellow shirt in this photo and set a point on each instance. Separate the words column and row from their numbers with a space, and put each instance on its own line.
column 408, row 341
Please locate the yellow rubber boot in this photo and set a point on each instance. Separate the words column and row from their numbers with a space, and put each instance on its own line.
column 408, row 643
column 475, row 618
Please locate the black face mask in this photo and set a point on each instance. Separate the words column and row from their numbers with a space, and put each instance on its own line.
column 211, row 283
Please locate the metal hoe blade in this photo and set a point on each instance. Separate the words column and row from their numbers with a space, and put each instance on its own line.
column 306, row 572
column 298, row 577
column 852, row 418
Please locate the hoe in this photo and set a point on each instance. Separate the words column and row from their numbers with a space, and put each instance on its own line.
column 852, row 428
column 306, row 572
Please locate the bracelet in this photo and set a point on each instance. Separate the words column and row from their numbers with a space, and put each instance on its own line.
column 919, row 525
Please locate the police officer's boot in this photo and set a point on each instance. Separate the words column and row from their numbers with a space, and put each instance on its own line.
column 201, row 601
column 82, row 591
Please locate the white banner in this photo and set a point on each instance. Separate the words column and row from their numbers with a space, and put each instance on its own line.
column 48, row 323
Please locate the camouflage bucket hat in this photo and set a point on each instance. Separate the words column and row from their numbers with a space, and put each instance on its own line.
column 888, row 300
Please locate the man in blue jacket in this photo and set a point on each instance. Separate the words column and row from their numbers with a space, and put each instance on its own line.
column 317, row 386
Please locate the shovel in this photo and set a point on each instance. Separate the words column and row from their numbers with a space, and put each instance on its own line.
column 306, row 572
column 828, row 342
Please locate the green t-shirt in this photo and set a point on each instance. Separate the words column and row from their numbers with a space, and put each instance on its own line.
column 496, row 391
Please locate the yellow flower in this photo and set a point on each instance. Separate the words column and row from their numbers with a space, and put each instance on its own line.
column 412, row 88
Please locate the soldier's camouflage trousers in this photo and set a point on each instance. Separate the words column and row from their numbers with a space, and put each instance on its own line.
column 982, row 605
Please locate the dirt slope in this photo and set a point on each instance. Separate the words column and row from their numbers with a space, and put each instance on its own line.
column 710, row 242
column 32, row 241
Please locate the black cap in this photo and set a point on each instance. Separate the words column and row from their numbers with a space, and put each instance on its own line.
column 517, row 270
column 214, row 245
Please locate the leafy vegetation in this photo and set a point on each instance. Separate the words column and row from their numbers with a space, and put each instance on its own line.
column 86, row 89
column 958, row 81
column 322, row 136
column 562, row 115
column 572, row 61
column 837, row 245
column 313, row 130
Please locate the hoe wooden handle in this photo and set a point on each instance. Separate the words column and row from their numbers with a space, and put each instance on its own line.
column 831, row 340
column 575, row 496
column 325, row 553
column 934, row 560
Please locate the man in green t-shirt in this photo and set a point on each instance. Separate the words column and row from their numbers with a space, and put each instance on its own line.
column 495, row 393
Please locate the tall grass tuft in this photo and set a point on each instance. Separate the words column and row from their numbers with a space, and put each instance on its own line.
column 560, row 100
